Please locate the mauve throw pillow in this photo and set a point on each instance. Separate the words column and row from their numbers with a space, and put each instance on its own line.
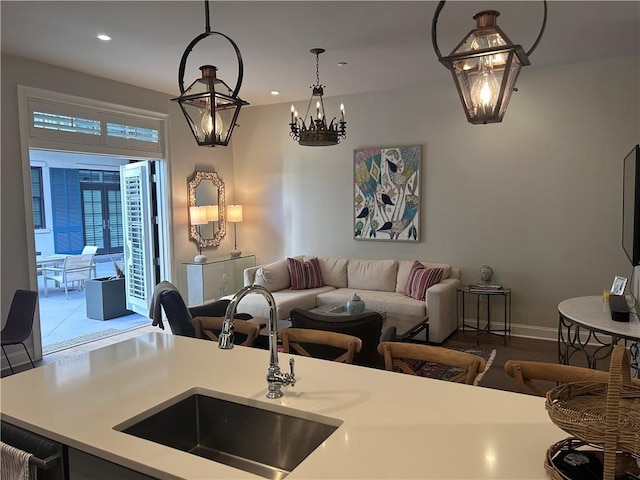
column 304, row 274
column 420, row 279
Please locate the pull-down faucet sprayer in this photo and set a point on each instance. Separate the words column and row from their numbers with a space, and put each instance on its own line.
column 275, row 379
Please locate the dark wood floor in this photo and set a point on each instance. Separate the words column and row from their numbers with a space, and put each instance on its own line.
column 517, row 348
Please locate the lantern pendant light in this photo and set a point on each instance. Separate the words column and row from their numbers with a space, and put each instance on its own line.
column 485, row 66
column 210, row 106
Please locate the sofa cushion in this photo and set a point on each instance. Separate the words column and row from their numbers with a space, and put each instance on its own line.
column 372, row 274
column 333, row 271
column 274, row 276
column 421, row 278
column 286, row 299
column 304, row 274
column 404, row 267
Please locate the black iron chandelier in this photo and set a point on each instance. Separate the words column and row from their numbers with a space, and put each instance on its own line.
column 311, row 132
column 485, row 66
column 210, row 106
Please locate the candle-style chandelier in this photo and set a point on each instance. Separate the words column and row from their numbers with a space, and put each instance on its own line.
column 210, row 106
column 485, row 66
column 311, row 132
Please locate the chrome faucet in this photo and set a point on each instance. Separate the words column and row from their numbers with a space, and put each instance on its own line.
column 275, row 378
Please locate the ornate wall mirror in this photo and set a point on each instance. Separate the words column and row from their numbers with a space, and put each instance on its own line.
column 207, row 209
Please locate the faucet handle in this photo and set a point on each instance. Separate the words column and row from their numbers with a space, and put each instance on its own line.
column 291, row 362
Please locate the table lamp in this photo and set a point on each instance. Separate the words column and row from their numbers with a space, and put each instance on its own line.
column 234, row 215
column 197, row 217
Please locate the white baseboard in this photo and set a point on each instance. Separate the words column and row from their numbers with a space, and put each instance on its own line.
column 521, row 330
column 532, row 331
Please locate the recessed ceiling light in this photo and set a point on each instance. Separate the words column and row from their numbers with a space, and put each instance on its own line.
column 274, row 92
column 342, row 64
column 103, row 37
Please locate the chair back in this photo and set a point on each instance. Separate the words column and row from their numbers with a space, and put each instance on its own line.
column 89, row 250
column 78, row 267
column 298, row 340
column 525, row 373
column 395, row 353
column 20, row 319
column 245, row 332
column 365, row 326
column 177, row 313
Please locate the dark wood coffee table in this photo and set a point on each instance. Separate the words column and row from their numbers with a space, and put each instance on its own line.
column 407, row 326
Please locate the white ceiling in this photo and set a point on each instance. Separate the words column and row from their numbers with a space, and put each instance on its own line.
column 386, row 44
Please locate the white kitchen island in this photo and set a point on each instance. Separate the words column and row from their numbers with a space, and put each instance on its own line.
column 394, row 426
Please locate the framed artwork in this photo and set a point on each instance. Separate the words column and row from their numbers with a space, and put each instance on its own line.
column 619, row 284
column 386, row 199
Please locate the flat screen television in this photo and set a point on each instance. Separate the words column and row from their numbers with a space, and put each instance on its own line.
column 631, row 206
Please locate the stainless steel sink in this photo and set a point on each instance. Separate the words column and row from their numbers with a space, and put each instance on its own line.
column 269, row 443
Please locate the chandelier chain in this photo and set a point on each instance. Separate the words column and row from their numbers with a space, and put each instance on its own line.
column 317, row 69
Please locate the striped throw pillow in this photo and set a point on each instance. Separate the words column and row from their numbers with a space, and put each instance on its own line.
column 304, row 274
column 420, row 279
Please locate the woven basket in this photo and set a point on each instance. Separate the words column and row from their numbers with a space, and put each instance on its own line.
column 602, row 414
column 626, row 462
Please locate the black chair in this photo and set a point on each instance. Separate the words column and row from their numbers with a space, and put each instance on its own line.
column 366, row 326
column 179, row 316
column 19, row 322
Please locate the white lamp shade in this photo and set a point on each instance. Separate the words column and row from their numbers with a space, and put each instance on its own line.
column 198, row 215
column 234, row 213
column 212, row 213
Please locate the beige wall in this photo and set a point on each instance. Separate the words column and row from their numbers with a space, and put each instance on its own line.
column 537, row 197
column 184, row 156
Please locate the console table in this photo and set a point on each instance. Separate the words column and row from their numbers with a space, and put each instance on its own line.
column 585, row 326
column 216, row 278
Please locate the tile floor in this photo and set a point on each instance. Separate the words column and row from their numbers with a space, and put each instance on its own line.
column 64, row 322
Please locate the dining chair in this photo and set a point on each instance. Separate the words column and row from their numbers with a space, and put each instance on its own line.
column 525, row 374
column 395, row 353
column 245, row 331
column 19, row 322
column 298, row 340
column 366, row 326
column 180, row 317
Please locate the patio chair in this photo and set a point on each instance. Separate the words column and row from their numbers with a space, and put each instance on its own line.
column 76, row 268
column 91, row 250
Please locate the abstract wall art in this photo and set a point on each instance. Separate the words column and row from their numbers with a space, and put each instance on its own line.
column 386, row 202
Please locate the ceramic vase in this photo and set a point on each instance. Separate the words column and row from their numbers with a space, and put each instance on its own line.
column 355, row 305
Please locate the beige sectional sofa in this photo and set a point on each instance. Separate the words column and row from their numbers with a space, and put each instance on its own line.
column 379, row 283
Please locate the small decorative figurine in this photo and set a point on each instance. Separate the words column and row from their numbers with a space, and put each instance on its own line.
column 486, row 274
column 355, row 305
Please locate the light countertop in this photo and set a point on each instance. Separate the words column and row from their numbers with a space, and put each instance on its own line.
column 394, row 425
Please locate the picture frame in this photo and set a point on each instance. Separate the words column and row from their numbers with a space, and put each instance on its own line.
column 619, row 284
column 387, row 193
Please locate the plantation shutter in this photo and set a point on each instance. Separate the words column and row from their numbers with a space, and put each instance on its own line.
column 67, row 211
column 139, row 235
